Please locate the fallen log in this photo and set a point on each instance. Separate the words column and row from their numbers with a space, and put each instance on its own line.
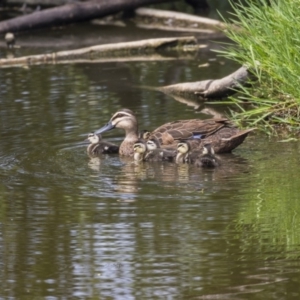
column 176, row 21
column 213, row 88
column 69, row 13
column 38, row 2
column 164, row 47
column 198, row 5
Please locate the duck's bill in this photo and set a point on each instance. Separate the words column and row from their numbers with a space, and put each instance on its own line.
column 107, row 127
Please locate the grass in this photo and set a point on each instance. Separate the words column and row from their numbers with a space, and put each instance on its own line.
column 266, row 37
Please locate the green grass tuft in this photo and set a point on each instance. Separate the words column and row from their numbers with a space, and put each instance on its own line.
column 267, row 40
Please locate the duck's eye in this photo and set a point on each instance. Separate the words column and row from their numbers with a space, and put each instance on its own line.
column 119, row 115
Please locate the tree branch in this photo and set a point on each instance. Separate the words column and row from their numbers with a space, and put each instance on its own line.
column 70, row 13
column 212, row 88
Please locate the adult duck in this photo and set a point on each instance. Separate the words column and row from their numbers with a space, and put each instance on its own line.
column 223, row 135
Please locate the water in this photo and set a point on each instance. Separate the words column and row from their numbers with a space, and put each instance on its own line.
column 72, row 227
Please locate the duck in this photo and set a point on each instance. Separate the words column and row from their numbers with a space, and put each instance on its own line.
column 142, row 153
column 98, row 146
column 205, row 158
column 223, row 135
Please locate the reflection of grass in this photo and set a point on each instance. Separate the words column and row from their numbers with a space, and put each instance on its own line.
column 268, row 42
column 269, row 222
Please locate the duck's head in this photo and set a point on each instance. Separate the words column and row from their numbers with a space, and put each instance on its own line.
column 144, row 134
column 123, row 118
column 183, row 147
column 208, row 149
column 94, row 138
column 152, row 144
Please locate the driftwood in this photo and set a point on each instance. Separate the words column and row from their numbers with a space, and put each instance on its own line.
column 38, row 2
column 110, row 52
column 176, row 21
column 152, row 49
column 214, row 88
column 69, row 13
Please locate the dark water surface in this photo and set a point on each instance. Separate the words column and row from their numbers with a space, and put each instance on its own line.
column 72, row 227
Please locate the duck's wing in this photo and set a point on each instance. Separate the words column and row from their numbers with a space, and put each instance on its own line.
column 225, row 140
column 185, row 129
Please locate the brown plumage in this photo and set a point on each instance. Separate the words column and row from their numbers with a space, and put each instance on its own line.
column 223, row 135
column 98, row 146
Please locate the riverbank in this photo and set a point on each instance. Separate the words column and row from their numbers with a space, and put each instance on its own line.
column 268, row 43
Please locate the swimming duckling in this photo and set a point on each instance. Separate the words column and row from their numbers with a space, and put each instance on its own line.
column 141, row 153
column 140, row 149
column 183, row 150
column 98, row 146
column 205, row 158
column 153, row 144
column 208, row 158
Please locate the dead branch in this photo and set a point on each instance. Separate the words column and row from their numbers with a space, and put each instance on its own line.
column 38, row 2
column 213, row 88
column 69, row 13
column 110, row 52
column 175, row 21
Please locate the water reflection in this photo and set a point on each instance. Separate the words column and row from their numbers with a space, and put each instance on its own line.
column 127, row 175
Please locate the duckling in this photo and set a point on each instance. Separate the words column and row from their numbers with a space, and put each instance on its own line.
column 140, row 149
column 153, row 144
column 98, row 146
column 205, row 158
column 144, row 134
column 168, row 133
column 208, row 158
column 183, row 150
column 141, row 153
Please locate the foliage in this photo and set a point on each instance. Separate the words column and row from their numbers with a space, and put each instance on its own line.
column 267, row 40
